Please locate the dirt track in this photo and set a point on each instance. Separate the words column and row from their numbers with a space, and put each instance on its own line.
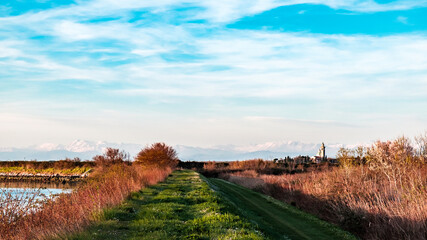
column 276, row 219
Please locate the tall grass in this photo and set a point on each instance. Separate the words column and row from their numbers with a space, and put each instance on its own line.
column 385, row 198
column 71, row 212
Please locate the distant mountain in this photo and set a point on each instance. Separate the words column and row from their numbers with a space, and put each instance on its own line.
column 83, row 149
column 268, row 150
column 87, row 149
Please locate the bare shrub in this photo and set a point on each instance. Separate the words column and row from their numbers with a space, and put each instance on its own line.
column 421, row 142
column 254, row 164
column 15, row 206
column 209, row 166
column 110, row 157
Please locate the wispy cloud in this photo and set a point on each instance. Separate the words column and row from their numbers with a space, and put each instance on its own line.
column 402, row 19
column 105, row 60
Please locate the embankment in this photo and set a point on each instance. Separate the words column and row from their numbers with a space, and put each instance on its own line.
column 71, row 212
column 63, row 171
column 44, row 178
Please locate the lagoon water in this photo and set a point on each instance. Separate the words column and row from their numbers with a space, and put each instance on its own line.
column 41, row 190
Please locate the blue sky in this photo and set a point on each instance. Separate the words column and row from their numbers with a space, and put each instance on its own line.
column 206, row 73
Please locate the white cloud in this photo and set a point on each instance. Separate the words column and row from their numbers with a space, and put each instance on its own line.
column 220, row 11
column 333, row 78
column 69, row 30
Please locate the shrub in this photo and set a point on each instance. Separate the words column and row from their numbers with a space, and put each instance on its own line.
column 157, row 155
column 110, row 157
column 351, row 157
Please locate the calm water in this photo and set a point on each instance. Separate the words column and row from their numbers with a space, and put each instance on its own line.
column 42, row 190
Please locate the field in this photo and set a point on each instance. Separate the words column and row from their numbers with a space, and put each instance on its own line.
column 62, row 167
column 184, row 207
column 66, row 172
column 376, row 192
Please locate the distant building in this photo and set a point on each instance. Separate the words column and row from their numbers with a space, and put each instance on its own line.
column 321, row 155
column 319, row 158
column 322, row 151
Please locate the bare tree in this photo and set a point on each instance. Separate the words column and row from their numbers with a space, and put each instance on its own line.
column 111, row 156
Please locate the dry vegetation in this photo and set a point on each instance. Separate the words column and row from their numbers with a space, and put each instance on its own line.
column 378, row 192
column 113, row 181
column 158, row 155
column 62, row 167
column 259, row 166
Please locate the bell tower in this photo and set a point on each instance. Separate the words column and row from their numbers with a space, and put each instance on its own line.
column 322, row 151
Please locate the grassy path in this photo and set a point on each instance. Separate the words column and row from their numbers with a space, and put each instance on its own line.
column 276, row 219
column 182, row 207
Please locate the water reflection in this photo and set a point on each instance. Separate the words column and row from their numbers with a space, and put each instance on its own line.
column 42, row 190
column 50, row 185
column 18, row 199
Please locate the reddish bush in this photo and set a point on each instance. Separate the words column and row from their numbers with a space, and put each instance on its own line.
column 158, row 155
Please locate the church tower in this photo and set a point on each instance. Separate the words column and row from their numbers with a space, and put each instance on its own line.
column 322, row 151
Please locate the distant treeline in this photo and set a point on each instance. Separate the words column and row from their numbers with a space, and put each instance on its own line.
column 213, row 169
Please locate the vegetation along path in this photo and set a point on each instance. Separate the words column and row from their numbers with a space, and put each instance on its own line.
column 182, row 207
column 276, row 219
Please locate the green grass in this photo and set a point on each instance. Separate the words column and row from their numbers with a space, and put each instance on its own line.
column 276, row 219
column 182, row 207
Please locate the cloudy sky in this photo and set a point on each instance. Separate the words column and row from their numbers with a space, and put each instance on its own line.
column 211, row 72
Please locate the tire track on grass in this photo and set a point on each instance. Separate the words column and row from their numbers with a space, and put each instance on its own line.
column 277, row 219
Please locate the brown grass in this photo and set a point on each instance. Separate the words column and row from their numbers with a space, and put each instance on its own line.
column 71, row 212
column 378, row 192
column 357, row 199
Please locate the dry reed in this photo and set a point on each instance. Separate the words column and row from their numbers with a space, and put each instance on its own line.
column 355, row 198
column 72, row 212
column 380, row 195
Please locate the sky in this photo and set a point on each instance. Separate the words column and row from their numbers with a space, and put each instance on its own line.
column 212, row 72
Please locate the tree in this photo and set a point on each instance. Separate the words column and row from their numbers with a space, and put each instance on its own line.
column 157, row 155
column 345, row 157
column 111, row 156
column 392, row 158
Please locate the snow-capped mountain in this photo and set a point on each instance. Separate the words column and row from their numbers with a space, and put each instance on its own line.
column 83, row 149
column 87, row 149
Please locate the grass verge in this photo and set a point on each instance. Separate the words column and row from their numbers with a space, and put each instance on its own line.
column 277, row 219
column 182, row 207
